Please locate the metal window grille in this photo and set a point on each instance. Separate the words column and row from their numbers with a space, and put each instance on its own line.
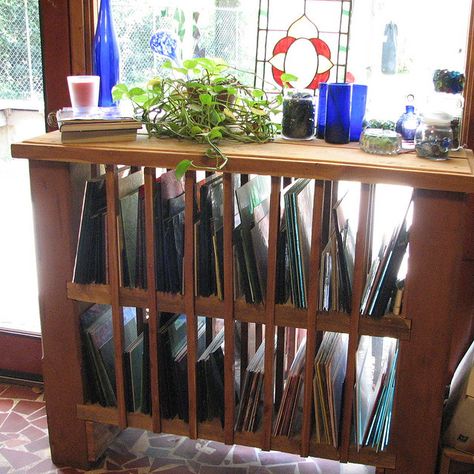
column 20, row 51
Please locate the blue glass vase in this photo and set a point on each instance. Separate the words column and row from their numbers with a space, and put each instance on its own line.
column 407, row 124
column 106, row 56
column 338, row 113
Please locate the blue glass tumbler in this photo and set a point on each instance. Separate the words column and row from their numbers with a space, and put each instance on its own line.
column 321, row 120
column 359, row 100
column 338, row 113
column 106, row 56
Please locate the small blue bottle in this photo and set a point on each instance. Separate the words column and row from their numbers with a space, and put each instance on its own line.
column 106, row 56
column 408, row 122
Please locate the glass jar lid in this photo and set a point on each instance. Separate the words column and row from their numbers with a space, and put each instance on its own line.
column 437, row 118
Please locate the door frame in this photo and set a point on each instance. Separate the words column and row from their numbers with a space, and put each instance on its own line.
column 66, row 38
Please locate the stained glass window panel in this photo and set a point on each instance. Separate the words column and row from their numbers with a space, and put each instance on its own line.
column 308, row 40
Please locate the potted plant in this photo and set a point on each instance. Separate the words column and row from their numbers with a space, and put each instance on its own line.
column 202, row 100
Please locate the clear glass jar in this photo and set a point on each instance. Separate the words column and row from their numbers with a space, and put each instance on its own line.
column 299, row 115
column 434, row 136
column 380, row 142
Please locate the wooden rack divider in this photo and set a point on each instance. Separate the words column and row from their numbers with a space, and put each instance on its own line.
column 423, row 330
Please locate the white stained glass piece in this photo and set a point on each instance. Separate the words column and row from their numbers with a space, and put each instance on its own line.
column 301, row 61
column 278, row 61
column 303, row 28
column 324, row 64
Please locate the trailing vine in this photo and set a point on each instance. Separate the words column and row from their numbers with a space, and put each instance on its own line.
column 205, row 102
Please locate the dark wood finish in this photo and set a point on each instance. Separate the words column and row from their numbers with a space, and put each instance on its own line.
column 279, row 158
column 274, row 221
column 435, row 255
column 313, row 298
column 285, row 315
column 62, row 360
column 150, row 175
column 115, row 278
column 189, row 286
column 20, row 353
column 229, row 322
column 425, row 331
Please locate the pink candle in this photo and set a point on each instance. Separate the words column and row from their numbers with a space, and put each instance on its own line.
column 83, row 91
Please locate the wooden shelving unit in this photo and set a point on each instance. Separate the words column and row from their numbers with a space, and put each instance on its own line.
column 57, row 174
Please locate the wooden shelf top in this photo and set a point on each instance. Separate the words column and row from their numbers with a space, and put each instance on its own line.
column 312, row 159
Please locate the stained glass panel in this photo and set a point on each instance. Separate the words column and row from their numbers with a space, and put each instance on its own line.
column 308, row 40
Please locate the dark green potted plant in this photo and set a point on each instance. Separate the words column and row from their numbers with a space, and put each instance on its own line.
column 203, row 101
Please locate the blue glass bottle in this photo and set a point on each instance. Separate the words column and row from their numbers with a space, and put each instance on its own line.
column 407, row 124
column 106, row 59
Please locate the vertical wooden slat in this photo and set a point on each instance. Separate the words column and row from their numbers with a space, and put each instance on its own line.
column 359, row 276
column 189, row 300
column 150, row 174
column 313, row 297
column 114, row 282
column 229, row 401
column 274, row 217
column 435, row 246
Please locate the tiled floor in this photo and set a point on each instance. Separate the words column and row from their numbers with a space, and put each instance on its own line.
column 24, row 448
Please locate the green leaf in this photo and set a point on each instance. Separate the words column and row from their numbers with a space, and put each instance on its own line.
column 182, row 70
column 195, row 130
column 119, row 91
column 257, row 93
column 215, row 133
column 189, row 63
column 259, row 112
column 287, row 77
column 206, row 99
column 182, row 167
column 136, row 91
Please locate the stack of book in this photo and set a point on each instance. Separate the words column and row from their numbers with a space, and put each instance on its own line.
column 98, row 125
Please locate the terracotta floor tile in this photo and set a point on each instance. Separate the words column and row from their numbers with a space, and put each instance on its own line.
column 28, row 407
column 37, row 414
column 222, row 470
column 38, row 445
column 20, row 392
column 33, row 433
column 275, row 457
column 186, row 449
column 24, row 438
column 138, row 463
column 287, row 469
column 6, row 405
column 309, row 468
column 164, row 441
column 213, row 453
column 41, row 423
column 176, row 470
column 243, row 454
column 19, row 459
column 157, row 463
column 13, row 423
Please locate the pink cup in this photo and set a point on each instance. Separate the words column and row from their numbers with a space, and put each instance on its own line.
column 84, row 92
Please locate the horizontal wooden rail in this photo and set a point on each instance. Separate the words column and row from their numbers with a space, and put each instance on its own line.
column 285, row 315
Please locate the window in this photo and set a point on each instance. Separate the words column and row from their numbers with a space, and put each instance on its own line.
column 21, row 91
column 424, row 36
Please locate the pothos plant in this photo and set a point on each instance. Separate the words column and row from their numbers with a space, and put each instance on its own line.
column 202, row 100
